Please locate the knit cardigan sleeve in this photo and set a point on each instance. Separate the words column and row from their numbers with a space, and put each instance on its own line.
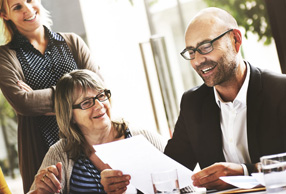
column 54, row 155
column 154, row 138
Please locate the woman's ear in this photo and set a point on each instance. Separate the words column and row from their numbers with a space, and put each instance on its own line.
column 4, row 16
column 237, row 39
column 73, row 121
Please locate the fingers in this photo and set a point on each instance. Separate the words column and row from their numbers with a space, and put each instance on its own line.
column 111, row 173
column 114, row 181
column 118, row 191
column 54, row 175
column 211, row 181
column 42, row 183
column 47, row 179
column 24, row 86
column 205, row 172
column 217, row 184
column 258, row 167
column 210, row 176
column 107, row 166
column 38, row 191
column 59, row 168
column 52, row 182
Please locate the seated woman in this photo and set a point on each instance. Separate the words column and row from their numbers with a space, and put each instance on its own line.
column 83, row 114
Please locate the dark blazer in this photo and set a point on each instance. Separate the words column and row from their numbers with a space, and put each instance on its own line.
column 198, row 138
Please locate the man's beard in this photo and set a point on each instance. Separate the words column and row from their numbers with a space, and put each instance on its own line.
column 224, row 71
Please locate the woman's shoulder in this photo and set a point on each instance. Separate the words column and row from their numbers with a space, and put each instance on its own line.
column 58, row 146
column 7, row 57
column 70, row 37
column 56, row 153
column 139, row 131
column 4, row 47
column 5, row 50
column 153, row 137
column 76, row 44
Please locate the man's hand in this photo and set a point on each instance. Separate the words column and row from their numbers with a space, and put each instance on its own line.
column 209, row 177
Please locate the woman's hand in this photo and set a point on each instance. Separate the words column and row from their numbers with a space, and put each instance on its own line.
column 48, row 180
column 24, row 86
column 114, row 182
column 27, row 88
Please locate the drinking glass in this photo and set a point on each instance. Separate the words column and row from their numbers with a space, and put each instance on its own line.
column 166, row 182
column 274, row 170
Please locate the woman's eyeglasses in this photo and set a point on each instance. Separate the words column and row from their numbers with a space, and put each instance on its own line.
column 88, row 103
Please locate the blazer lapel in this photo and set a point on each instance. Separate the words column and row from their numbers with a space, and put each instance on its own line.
column 254, row 102
column 210, row 134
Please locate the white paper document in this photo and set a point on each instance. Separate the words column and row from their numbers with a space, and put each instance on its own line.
column 243, row 182
column 259, row 177
column 137, row 157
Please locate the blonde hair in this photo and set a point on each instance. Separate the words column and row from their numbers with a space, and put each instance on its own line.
column 9, row 28
column 65, row 96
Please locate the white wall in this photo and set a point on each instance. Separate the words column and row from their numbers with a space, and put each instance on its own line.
column 260, row 55
column 114, row 31
column 167, row 23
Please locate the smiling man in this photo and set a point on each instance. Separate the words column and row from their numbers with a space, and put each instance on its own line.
column 237, row 115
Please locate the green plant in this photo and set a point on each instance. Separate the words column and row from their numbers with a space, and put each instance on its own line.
column 250, row 14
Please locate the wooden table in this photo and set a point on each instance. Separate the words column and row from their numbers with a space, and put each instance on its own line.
column 260, row 190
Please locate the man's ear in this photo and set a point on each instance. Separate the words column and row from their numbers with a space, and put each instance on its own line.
column 237, row 39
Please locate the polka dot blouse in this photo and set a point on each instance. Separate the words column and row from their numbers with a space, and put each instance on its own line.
column 43, row 71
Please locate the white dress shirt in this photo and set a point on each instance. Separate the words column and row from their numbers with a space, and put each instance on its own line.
column 233, row 125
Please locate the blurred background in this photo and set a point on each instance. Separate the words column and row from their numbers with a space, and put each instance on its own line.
column 137, row 44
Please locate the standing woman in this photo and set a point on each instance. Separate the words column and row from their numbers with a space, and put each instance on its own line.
column 31, row 62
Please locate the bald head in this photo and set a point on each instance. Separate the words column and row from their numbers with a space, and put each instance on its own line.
column 214, row 33
column 213, row 20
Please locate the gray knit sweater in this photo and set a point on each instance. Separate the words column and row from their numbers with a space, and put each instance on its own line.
column 56, row 154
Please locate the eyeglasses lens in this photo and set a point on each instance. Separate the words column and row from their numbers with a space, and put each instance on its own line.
column 90, row 102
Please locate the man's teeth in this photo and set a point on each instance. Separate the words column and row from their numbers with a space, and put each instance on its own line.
column 208, row 69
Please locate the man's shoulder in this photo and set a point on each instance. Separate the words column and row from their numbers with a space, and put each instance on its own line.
column 266, row 74
column 198, row 91
column 197, row 96
column 269, row 78
column 266, row 84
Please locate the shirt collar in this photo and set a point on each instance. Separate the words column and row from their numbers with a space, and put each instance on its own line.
column 242, row 94
column 19, row 40
column 53, row 35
